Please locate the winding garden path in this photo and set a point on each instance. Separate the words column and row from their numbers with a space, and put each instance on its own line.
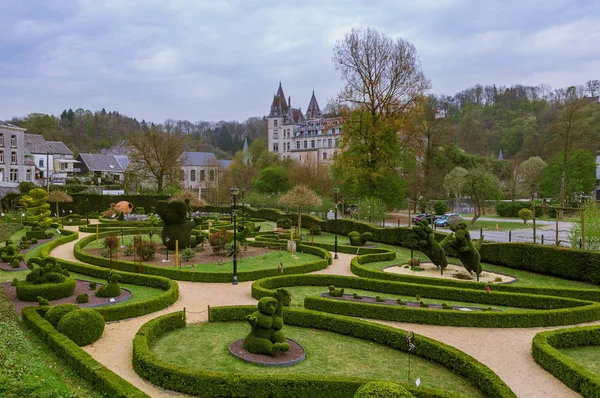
column 506, row 351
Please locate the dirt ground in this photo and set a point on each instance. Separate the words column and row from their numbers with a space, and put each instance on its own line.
column 452, row 271
column 506, row 351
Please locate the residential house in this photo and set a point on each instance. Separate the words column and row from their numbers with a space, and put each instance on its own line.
column 201, row 171
column 15, row 164
column 105, row 167
column 43, row 157
column 63, row 163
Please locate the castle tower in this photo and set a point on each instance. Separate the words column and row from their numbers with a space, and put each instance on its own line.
column 313, row 111
column 276, row 119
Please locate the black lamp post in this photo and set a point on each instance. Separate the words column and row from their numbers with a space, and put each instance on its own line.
column 87, row 210
column 243, row 204
column 335, row 192
column 234, row 191
column 167, row 239
column 63, row 218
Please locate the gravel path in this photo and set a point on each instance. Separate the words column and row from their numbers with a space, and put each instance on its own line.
column 506, row 351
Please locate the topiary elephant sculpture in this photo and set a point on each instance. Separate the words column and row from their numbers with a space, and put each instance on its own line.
column 177, row 226
column 266, row 335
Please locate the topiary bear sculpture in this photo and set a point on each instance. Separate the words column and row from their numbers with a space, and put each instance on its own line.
column 266, row 336
column 112, row 288
column 333, row 292
column 177, row 226
column 358, row 239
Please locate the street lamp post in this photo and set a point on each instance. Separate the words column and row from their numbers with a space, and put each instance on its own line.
column 167, row 239
column 63, row 218
column 335, row 192
column 87, row 210
column 243, row 207
column 234, row 191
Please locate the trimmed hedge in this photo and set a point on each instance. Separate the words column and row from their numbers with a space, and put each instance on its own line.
column 220, row 384
column 205, row 276
column 552, row 310
column 83, row 326
column 575, row 376
column 81, row 362
column 55, row 314
column 65, row 237
column 124, row 311
column 28, row 291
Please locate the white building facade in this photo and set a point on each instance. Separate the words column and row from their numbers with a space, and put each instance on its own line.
column 15, row 166
column 306, row 138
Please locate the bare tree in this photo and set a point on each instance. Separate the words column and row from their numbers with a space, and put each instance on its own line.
column 299, row 197
column 593, row 87
column 382, row 75
column 158, row 154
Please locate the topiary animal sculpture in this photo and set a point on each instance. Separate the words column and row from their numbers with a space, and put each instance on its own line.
column 177, row 226
column 333, row 292
column 112, row 288
column 266, row 336
column 45, row 270
column 425, row 241
column 468, row 253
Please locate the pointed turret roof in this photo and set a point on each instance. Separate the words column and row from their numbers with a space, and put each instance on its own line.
column 313, row 111
column 246, row 151
column 279, row 106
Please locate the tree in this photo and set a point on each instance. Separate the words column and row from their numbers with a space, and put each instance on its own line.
column 299, row 197
column 382, row 75
column 591, row 216
column 57, row 196
column 271, row 180
column 529, row 175
column 481, row 185
column 455, row 180
column 570, row 131
column 158, row 154
column 580, row 176
column 593, row 87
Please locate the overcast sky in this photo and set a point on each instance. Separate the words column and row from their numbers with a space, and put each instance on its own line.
column 222, row 60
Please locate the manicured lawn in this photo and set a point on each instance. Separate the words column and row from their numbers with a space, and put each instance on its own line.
column 262, row 261
column 15, row 237
column 299, row 292
column 7, row 276
column 127, row 239
column 587, row 356
column 327, row 353
column 28, row 368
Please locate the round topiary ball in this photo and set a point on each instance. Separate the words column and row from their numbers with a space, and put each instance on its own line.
column 382, row 389
column 83, row 326
column 55, row 314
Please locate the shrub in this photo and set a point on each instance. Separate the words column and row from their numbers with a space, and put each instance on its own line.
column 379, row 299
column 354, row 237
column 28, row 291
column 82, row 298
column 83, row 326
column 188, row 254
column 400, row 302
column 42, row 301
column 56, row 313
column 148, row 250
column 93, row 285
column 129, row 250
column 112, row 288
column 511, row 209
column 15, row 263
column 218, row 240
column 414, row 262
column 356, row 296
column 139, row 210
column 34, row 241
column 525, row 215
column 365, row 237
column 333, row 292
column 14, row 282
column 284, row 223
column 440, row 207
column 382, row 389
column 48, row 234
column 111, row 242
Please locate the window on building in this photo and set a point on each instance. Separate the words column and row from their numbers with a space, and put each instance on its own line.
column 324, row 155
column 28, row 175
column 1, row 157
column 63, row 166
column 305, row 144
column 312, row 143
column 288, row 146
column 41, row 162
column 211, row 175
column 1, row 139
column 13, row 158
column 192, row 175
column 13, row 140
column 14, row 175
column 275, row 147
column 275, row 123
column 297, row 144
column 202, row 175
column 336, row 142
column 318, row 143
column 329, row 142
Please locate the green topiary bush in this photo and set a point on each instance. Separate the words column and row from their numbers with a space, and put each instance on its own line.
column 284, row 223
column 139, row 210
column 333, row 292
column 354, row 237
column 525, row 215
column 93, row 285
column 112, row 288
column 382, row 389
column 177, row 227
column 56, row 313
column 82, row 298
column 188, row 254
column 42, row 301
column 14, row 282
column 83, row 326
column 15, row 263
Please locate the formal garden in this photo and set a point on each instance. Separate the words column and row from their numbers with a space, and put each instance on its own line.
column 285, row 304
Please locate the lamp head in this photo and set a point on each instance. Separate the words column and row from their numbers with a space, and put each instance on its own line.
column 234, row 191
column 336, row 190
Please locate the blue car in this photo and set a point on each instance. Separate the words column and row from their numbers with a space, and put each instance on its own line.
column 447, row 220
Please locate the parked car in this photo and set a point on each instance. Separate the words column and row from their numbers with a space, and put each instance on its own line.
column 447, row 220
column 425, row 216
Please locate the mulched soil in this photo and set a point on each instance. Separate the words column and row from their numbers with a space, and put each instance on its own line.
column 281, row 359
column 414, row 304
column 7, row 267
column 80, row 288
column 205, row 257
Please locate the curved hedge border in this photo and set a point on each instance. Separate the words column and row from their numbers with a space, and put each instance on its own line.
column 28, row 291
column 65, row 237
column 205, row 276
column 130, row 310
column 221, row 384
column 574, row 375
column 552, row 310
column 80, row 361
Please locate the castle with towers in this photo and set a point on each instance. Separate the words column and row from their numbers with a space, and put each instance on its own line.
column 306, row 138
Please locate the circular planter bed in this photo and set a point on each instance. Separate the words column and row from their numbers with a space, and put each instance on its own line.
column 281, row 359
column 28, row 291
column 452, row 271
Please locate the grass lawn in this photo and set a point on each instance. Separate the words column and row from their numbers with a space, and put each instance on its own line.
column 262, row 261
column 28, row 368
column 127, row 239
column 587, row 356
column 327, row 353
column 7, row 276
column 15, row 237
column 299, row 292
